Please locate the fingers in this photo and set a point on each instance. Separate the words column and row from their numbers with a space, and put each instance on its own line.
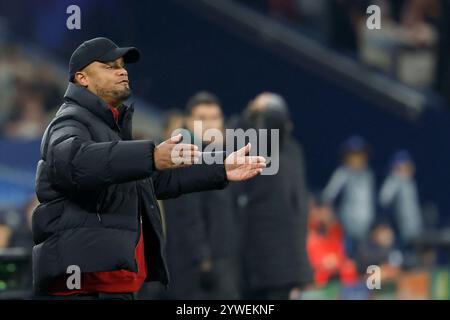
column 181, row 149
column 190, row 157
column 186, row 147
column 185, row 154
column 255, row 159
column 252, row 173
column 244, row 150
column 171, row 154
column 255, row 166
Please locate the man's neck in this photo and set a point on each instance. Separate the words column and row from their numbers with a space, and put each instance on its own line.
column 112, row 103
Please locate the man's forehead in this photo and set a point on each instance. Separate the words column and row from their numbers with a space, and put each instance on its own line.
column 209, row 108
column 98, row 63
column 119, row 61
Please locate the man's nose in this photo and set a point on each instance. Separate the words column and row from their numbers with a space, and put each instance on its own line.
column 123, row 72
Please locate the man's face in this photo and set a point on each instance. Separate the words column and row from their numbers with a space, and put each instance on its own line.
column 356, row 160
column 108, row 80
column 209, row 114
column 260, row 102
column 405, row 169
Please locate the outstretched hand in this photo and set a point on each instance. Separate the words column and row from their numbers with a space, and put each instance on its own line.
column 239, row 166
column 171, row 154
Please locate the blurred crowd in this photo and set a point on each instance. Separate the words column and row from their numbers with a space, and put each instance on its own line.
column 412, row 44
column 31, row 91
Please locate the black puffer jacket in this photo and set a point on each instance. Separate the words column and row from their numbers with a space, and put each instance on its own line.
column 93, row 183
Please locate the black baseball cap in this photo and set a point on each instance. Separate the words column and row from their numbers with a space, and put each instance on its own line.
column 102, row 50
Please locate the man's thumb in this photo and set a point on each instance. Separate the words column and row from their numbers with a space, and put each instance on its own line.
column 175, row 139
column 244, row 150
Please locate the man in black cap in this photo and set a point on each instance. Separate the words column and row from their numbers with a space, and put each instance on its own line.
column 97, row 228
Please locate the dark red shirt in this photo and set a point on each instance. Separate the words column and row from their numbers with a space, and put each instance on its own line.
column 115, row 113
column 117, row 281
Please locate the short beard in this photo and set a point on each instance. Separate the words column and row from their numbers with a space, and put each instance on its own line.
column 114, row 95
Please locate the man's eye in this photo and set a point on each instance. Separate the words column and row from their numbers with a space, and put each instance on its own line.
column 109, row 67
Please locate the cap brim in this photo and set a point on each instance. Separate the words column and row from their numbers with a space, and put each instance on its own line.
column 129, row 54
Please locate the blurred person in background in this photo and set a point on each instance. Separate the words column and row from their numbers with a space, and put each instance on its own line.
column 22, row 236
column 13, row 67
column 272, row 211
column 405, row 46
column 344, row 18
column 419, row 18
column 32, row 90
column 442, row 83
column 5, row 234
column 29, row 119
column 15, row 225
column 380, row 249
column 399, row 196
column 355, row 182
column 174, row 120
column 201, row 228
column 326, row 251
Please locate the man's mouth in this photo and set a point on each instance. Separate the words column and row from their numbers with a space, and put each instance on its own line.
column 123, row 81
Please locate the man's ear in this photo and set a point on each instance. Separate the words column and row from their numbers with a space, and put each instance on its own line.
column 82, row 79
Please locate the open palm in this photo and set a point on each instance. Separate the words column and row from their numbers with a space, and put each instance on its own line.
column 239, row 166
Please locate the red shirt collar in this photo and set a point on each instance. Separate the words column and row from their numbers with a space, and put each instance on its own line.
column 115, row 113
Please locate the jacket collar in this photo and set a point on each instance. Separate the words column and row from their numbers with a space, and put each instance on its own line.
column 97, row 106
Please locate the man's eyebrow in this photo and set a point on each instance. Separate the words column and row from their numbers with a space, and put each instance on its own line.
column 114, row 63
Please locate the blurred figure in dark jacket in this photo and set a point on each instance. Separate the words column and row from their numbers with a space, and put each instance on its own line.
column 399, row 196
column 273, row 212
column 201, row 235
column 379, row 249
column 22, row 236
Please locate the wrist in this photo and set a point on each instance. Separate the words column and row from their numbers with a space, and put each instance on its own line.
column 154, row 156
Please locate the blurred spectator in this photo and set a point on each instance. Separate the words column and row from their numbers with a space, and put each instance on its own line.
column 379, row 249
column 404, row 47
column 22, row 236
column 5, row 234
column 326, row 248
column 8, row 221
column 28, row 120
column 399, row 193
column 201, row 239
column 174, row 120
column 345, row 17
column 442, row 83
column 355, row 181
column 273, row 212
column 405, row 44
column 30, row 90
